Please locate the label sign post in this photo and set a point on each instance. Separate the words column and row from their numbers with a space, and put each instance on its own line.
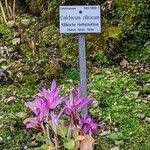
column 80, row 20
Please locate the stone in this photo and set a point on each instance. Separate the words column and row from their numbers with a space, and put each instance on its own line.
column 11, row 24
column 10, row 99
column 1, row 139
column 104, row 133
column 8, row 138
column 3, row 76
column 147, row 119
column 25, row 147
column 95, row 104
column 19, row 75
column 4, row 51
column 136, row 94
column 115, row 148
column 25, row 22
column 16, row 34
column 16, row 41
column 141, row 116
column 148, row 97
column 124, row 63
column 138, row 100
column 116, row 130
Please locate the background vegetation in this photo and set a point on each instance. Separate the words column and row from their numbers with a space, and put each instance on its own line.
column 33, row 52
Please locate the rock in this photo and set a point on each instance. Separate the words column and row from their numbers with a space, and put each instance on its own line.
column 4, row 51
column 16, row 56
column 148, row 97
column 16, row 34
column 147, row 119
column 19, row 76
column 124, row 63
column 115, row 148
column 104, row 133
column 25, row 147
column 1, row 139
column 95, row 104
column 136, row 94
column 25, row 22
column 138, row 100
column 10, row 99
column 141, row 116
column 11, row 24
column 3, row 76
column 16, row 41
column 116, row 130
column 8, row 138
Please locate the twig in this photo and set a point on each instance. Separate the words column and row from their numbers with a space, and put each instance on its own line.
column 3, row 13
column 48, row 136
column 7, row 10
column 14, row 6
column 10, row 10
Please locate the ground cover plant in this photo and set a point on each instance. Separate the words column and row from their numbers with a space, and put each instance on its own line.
column 33, row 53
column 122, row 110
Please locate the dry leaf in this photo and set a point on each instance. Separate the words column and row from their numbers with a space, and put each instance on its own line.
column 87, row 143
column 49, row 148
column 80, row 138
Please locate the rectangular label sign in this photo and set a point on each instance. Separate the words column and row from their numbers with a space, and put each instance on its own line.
column 80, row 19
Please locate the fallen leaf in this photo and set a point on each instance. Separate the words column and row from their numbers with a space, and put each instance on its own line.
column 49, row 148
column 80, row 138
column 87, row 143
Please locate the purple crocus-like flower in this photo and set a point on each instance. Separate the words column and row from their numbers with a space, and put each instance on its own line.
column 88, row 125
column 32, row 123
column 56, row 117
column 51, row 96
column 75, row 103
column 40, row 109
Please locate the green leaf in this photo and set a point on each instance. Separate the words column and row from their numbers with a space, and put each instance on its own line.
column 62, row 131
column 40, row 137
column 116, row 136
column 20, row 115
column 69, row 144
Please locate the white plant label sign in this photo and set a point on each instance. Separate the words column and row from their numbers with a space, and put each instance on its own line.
column 80, row 19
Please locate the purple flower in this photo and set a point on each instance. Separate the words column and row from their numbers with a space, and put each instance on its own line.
column 88, row 125
column 40, row 109
column 75, row 103
column 56, row 117
column 51, row 96
column 32, row 123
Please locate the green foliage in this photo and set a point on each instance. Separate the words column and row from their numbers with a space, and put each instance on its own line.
column 69, row 144
column 62, row 131
column 72, row 74
column 4, row 29
column 101, row 57
column 116, row 95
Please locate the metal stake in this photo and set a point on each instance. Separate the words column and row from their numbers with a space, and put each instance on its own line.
column 83, row 76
